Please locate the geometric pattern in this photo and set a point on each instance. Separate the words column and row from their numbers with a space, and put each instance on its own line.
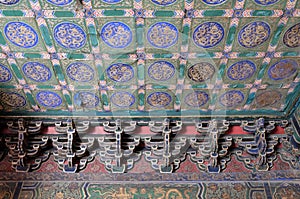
column 182, row 57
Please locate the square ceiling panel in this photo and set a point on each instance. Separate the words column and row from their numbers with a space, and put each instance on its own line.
column 144, row 58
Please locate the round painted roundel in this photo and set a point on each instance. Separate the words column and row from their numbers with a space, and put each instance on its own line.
column 86, row 99
column 241, row 70
column 159, row 99
column 116, row 34
column 161, row 70
column 254, row 34
column 214, row 2
column 12, row 99
column 112, row 1
column 21, row 34
column 231, row 98
column 122, row 99
column 69, row 35
column 5, row 74
column 36, row 71
column 49, row 99
column 80, row 72
column 208, row 34
column 163, row 2
column 266, row 2
column 201, row 72
column 9, row 2
column 196, row 99
column 162, row 35
column 267, row 98
column 60, row 2
column 291, row 37
column 282, row 69
column 120, row 72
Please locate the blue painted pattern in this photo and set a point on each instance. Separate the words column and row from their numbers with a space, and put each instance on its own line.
column 159, row 99
column 162, row 35
column 116, row 34
column 80, row 72
column 282, row 69
column 161, row 70
column 196, row 99
column 69, row 35
column 122, row 99
column 37, row 71
column 60, row 2
column 86, row 99
column 241, row 70
column 48, row 99
column 163, row 2
column 5, row 74
column 21, row 34
column 112, row 1
column 9, row 2
column 254, row 34
column 12, row 99
column 267, row 98
column 291, row 37
column 208, row 34
column 231, row 98
column 266, row 2
column 120, row 72
column 201, row 72
column 214, row 2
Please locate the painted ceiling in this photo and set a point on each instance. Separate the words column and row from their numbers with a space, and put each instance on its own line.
column 141, row 58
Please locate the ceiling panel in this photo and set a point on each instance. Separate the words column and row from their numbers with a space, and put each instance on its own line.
column 144, row 58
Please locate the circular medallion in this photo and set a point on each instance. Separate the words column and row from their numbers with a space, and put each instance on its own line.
column 37, row 71
column 120, row 72
column 69, row 35
column 9, row 2
column 161, row 70
column 214, row 2
column 291, row 37
column 162, row 35
column 159, row 99
column 266, row 2
column 86, row 99
column 201, row 72
column 267, row 98
column 196, row 99
column 122, row 99
column 21, row 34
column 163, row 2
column 116, row 34
column 241, row 70
column 282, row 69
column 231, row 98
column 5, row 74
column 208, row 34
column 48, row 99
column 254, row 34
column 12, row 99
column 112, row 1
column 80, row 72
column 60, row 2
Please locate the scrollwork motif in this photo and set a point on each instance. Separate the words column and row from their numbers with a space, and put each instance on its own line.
column 254, row 34
column 12, row 99
column 60, row 2
column 163, row 2
column 122, row 99
column 112, row 1
column 120, row 72
column 36, row 71
column 116, row 34
column 201, row 72
column 265, row 2
column 282, row 69
column 161, row 70
column 159, row 99
column 48, row 99
column 208, row 34
column 231, row 98
column 69, row 35
column 267, row 98
column 196, row 99
column 241, row 70
column 80, row 72
column 86, row 99
column 214, row 2
column 21, row 34
column 5, row 74
column 291, row 37
column 162, row 35
column 9, row 2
